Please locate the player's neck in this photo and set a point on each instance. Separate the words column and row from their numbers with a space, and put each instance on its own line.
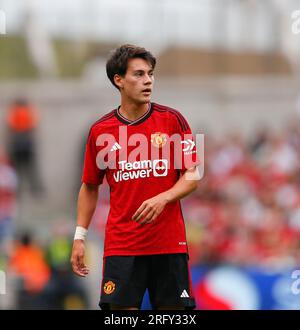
column 132, row 111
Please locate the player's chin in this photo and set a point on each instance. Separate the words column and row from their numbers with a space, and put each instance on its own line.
column 145, row 98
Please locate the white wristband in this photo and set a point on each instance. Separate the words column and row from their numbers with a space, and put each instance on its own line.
column 80, row 233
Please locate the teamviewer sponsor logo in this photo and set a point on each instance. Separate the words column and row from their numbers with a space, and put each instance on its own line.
column 141, row 169
column 160, row 167
column 2, row 282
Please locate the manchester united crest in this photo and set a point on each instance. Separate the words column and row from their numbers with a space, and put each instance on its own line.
column 109, row 287
column 158, row 139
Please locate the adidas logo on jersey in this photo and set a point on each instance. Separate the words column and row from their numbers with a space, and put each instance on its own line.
column 184, row 294
column 115, row 147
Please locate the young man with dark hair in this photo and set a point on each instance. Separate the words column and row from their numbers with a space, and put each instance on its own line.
column 145, row 244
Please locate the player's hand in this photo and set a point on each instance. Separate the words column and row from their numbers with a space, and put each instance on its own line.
column 77, row 258
column 150, row 209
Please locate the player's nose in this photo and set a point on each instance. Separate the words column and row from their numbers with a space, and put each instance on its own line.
column 148, row 79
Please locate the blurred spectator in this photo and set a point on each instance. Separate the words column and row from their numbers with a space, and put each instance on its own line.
column 22, row 121
column 28, row 263
column 8, row 186
column 43, row 276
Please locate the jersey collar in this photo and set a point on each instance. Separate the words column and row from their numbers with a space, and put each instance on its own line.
column 137, row 121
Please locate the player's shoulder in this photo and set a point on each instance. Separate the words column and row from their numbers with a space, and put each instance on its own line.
column 172, row 114
column 104, row 120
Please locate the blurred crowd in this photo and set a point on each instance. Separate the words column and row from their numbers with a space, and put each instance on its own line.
column 246, row 210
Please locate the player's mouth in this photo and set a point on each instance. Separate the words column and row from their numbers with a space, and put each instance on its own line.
column 147, row 91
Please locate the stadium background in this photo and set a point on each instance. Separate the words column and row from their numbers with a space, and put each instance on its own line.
column 230, row 66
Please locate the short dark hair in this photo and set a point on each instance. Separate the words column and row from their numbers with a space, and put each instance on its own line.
column 118, row 61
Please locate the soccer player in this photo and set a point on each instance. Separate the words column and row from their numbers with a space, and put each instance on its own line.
column 145, row 243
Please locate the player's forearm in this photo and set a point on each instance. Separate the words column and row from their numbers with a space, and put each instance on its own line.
column 183, row 187
column 87, row 202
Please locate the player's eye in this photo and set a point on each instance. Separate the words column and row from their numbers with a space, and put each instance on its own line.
column 138, row 74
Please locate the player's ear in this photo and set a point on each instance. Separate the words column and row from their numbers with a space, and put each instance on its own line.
column 118, row 81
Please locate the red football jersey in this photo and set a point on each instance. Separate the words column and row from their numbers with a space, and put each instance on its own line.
column 140, row 159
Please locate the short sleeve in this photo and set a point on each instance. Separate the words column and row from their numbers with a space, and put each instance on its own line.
column 92, row 174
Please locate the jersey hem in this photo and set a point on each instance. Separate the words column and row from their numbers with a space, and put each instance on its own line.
column 139, row 253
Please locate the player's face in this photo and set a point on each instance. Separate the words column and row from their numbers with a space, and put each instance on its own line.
column 138, row 81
